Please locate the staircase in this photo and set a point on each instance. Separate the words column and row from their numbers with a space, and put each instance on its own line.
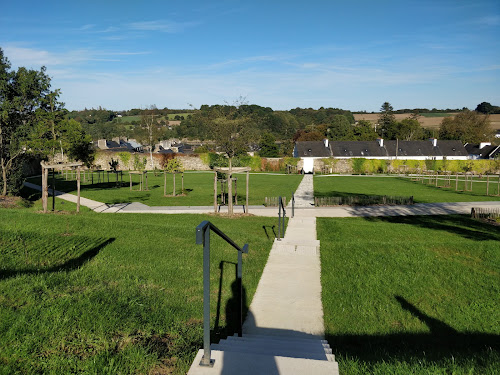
column 283, row 331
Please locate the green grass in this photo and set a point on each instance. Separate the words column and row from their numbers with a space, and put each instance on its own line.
column 329, row 186
column 109, row 294
column 414, row 295
column 198, row 187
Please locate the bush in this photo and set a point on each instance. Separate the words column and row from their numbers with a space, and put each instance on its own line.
column 358, row 165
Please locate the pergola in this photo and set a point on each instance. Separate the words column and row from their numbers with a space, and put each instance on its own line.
column 230, row 185
column 45, row 182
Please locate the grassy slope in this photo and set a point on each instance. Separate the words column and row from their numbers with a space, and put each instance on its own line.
column 412, row 295
column 199, row 189
column 422, row 193
column 112, row 293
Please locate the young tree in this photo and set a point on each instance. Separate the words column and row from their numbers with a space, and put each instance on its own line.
column 150, row 124
column 231, row 135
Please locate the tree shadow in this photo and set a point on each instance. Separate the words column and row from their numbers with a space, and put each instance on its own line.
column 341, row 198
column 457, row 224
column 69, row 265
column 439, row 345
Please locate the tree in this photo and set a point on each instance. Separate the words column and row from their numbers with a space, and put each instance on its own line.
column 150, row 125
column 32, row 123
column 467, row 126
column 268, row 146
column 340, row 129
column 485, row 108
column 231, row 136
column 386, row 118
column 363, row 131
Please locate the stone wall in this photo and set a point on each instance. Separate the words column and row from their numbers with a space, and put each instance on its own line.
column 191, row 162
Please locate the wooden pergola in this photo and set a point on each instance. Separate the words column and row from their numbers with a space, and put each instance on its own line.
column 45, row 182
column 225, row 170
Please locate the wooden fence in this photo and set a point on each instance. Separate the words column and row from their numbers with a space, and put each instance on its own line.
column 273, row 201
column 485, row 213
column 362, row 200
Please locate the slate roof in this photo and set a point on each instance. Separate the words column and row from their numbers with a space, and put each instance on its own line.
column 487, row 152
column 311, row 149
column 367, row 149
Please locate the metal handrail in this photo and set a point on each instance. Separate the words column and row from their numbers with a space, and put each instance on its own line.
column 293, row 205
column 281, row 207
column 203, row 238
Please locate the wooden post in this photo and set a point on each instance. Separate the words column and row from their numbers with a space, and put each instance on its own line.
column 436, row 178
column 215, row 191
column 78, row 189
column 53, row 189
column 130, row 178
column 235, row 190
column 182, row 183
column 246, row 200
column 456, row 182
column 230, row 192
column 146, row 174
column 174, row 184
column 44, row 188
column 165, row 183
column 488, row 184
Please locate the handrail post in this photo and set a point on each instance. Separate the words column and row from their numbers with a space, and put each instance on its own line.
column 279, row 219
column 284, row 216
column 293, row 205
column 205, row 360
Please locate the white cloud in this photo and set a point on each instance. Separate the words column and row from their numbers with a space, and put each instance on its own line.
column 161, row 25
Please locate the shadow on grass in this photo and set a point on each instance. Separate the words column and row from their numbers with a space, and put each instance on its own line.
column 441, row 345
column 69, row 265
column 457, row 224
column 232, row 317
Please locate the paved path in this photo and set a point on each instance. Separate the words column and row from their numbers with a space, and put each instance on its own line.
column 307, row 210
column 304, row 196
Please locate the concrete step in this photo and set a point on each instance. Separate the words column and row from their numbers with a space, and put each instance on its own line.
column 271, row 344
column 295, row 336
column 252, row 364
column 243, row 347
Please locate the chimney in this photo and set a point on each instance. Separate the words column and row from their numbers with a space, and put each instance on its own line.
column 326, row 142
column 380, row 142
column 101, row 143
column 116, row 139
column 484, row 144
column 434, row 142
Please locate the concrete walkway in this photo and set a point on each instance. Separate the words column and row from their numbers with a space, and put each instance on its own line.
column 304, row 196
column 284, row 331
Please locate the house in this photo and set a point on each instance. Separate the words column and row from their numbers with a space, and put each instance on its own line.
column 484, row 150
column 119, row 145
column 308, row 151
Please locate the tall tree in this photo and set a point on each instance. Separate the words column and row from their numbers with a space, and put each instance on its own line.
column 467, row 126
column 31, row 121
column 149, row 123
column 386, row 119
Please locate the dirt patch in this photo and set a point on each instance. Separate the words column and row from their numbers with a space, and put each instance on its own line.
column 13, row 202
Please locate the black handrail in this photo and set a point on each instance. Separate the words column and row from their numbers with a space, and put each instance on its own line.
column 281, row 207
column 293, row 205
column 203, row 238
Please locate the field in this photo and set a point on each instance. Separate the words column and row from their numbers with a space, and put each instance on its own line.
column 330, row 186
column 428, row 120
column 416, row 295
column 198, row 189
column 110, row 294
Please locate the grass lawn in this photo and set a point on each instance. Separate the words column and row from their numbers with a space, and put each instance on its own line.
column 414, row 295
column 114, row 294
column 328, row 186
column 199, row 189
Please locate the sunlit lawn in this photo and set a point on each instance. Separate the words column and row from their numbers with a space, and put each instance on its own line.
column 414, row 295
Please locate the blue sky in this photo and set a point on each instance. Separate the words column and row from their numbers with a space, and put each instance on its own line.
column 282, row 54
